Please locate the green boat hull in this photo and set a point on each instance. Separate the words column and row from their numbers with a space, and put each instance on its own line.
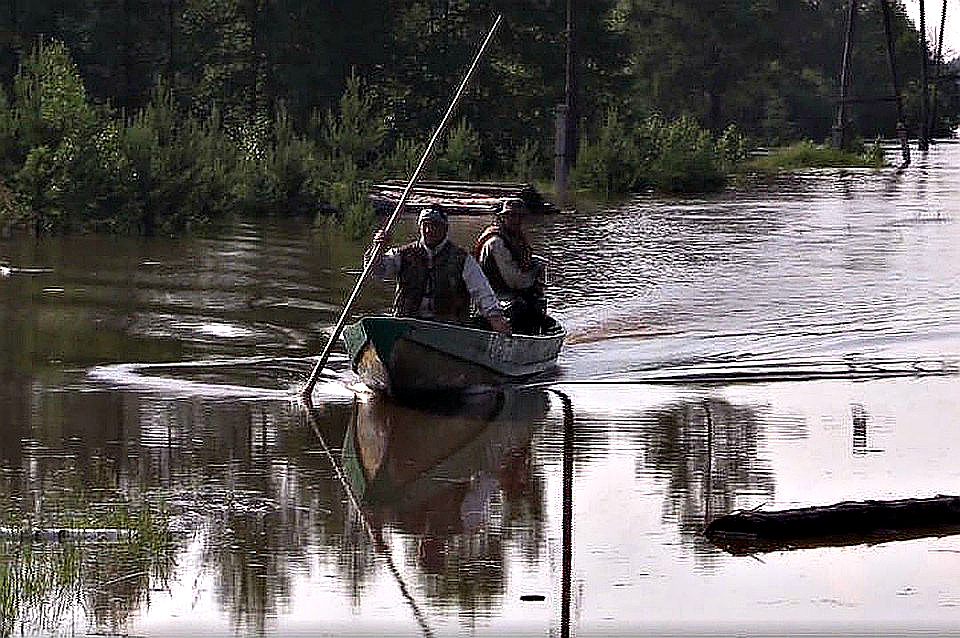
column 400, row 355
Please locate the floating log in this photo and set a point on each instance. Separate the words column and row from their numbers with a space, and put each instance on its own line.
column 846, row 523
column 63, row 534
column 459, row 198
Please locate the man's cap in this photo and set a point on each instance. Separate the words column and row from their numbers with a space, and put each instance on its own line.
column 432, row 214
column 511, row 205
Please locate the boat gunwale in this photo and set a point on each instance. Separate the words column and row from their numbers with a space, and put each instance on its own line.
column 561, row 332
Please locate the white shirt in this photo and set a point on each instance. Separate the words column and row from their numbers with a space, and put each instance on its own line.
column 513, row 276
column 481, row 294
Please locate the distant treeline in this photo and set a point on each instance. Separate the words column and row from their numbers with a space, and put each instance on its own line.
column 148, row 116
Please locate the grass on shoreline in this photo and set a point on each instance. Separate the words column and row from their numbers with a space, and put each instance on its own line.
column 809, row 155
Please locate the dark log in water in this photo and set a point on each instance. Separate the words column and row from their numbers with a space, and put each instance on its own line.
column 846, row 523
column 459, row 198
column 63, row 534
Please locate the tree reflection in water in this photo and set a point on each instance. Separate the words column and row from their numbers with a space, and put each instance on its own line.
column 254, row 504
column 708, row 451
column 237, row 479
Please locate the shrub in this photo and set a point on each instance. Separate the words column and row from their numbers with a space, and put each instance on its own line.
column 686, row 159
column 460, row 157
column 278, row 169
column 184, row 171
column 677, row 156
column 50, row 99
column 356, row 130
column 63, row 182
column 731, row 147
column 403, row 159
column 608, row 163
column 527, row 162
column 347, row 193
column 807, row 154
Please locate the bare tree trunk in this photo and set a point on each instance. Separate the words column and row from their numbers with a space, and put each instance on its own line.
column 253, row 22
column 171, row 30
column 127, row 55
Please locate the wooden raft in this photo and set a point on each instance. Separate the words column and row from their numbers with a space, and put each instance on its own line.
column 846, row 523
column 458, row 198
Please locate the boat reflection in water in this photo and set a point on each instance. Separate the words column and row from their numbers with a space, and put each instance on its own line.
column 452, row 476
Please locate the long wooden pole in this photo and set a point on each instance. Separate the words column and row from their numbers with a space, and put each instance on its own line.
column 566, row 544
column 378, row 247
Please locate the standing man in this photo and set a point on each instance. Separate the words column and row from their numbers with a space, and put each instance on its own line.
column 436, row 279
column 515, row 273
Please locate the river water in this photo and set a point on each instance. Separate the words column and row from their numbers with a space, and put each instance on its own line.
column 791, row 342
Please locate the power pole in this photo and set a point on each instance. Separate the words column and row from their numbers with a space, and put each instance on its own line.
column 565, row 142
column 936, row 73
column 891, row 62
column 922, row 141
column 840, row 125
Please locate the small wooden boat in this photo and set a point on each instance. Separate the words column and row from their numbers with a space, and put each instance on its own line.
column 402, row 356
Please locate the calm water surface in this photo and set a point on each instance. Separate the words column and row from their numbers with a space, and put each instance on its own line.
column 785, row 344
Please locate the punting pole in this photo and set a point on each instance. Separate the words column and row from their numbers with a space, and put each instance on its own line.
column 378, row 247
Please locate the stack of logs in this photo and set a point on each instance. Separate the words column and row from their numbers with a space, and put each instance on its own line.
column 457, row 198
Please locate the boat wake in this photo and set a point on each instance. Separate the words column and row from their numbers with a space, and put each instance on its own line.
column 773, row 370
column 253, row 378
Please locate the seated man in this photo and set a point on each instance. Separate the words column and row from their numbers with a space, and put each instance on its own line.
column 436, row 279
column 516, row 274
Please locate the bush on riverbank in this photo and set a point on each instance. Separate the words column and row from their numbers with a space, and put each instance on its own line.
column 676, row 156
column 71, row 166
column 810, row 155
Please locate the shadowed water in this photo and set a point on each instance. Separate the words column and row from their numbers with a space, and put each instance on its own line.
column 790, row 342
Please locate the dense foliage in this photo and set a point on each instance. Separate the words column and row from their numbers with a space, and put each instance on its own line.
column 153, row 116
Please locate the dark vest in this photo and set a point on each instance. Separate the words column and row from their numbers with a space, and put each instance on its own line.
column 519, row 249
column 417, row 276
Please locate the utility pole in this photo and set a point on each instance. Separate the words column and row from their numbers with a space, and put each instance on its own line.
column 923, row 142
column 936, row 73
column 565, row 142
column 891, row 62
column 839, row 126
column 840, row 123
